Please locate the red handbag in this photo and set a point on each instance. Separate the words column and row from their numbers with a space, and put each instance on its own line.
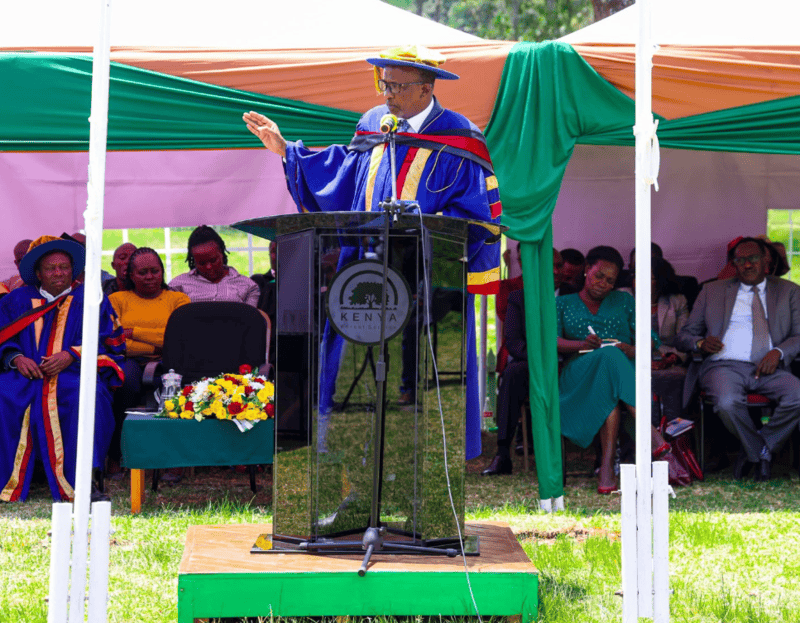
column 686, row 466
column 683, row 452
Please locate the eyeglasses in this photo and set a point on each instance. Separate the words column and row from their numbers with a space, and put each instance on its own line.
column 753, row 259
column 395, row 87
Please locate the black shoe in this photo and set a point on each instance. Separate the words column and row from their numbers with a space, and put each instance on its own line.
column 764, row 472
column 742, row 466
column 499, row 465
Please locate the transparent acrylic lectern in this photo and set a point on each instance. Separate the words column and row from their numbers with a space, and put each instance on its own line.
column 328, row 304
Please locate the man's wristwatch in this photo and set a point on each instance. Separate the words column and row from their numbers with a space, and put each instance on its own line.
column 699, row 344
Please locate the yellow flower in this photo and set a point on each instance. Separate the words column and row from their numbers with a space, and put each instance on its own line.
column 264, row 395
column 269, row 388
column 187, row 415
column 169, row 405
column 181, row 400
column 207, row 411
column 219, row 410
column 214, row 390
column 237, row 397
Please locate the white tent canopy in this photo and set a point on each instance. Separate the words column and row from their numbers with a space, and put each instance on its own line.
column 707, row 198
column 233, row 24
column 701, row 22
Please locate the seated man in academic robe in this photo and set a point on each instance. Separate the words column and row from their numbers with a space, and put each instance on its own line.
column 40, row 365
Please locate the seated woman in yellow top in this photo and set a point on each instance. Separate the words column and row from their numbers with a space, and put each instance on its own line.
column 143, row 310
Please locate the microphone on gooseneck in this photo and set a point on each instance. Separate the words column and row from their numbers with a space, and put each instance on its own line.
column 388, row 123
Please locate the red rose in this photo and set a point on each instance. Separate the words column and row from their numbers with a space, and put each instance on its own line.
column 189, row 406
column 270, row 409
column 245, row 369
column 248, row 390
column 235, row 407
column 187, row 390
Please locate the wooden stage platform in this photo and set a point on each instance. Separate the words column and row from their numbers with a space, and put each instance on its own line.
column 219, row 577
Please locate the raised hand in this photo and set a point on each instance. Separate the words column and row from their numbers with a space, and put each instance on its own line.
column 267, row 131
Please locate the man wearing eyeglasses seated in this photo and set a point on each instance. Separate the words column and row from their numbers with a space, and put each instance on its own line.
column 749, row 328
column 442, row 163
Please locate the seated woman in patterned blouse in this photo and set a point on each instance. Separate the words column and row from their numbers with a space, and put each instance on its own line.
column 596, row 334
column 210, row 277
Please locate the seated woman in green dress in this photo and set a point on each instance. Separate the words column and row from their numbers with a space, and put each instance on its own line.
column 595, row 335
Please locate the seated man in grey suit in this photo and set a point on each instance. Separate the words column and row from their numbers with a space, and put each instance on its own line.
column 750, row 342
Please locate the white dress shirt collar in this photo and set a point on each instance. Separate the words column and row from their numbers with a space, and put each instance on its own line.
column 50, row 298
column 417, row 120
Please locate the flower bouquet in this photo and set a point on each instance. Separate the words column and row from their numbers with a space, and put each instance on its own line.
column 243, row 396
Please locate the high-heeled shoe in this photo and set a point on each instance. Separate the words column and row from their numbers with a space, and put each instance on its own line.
column 606, row 490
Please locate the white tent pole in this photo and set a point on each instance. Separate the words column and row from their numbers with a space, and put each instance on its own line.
column 644, row 131
column 93, row 219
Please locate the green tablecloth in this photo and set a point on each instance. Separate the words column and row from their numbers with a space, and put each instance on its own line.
column 158, row 443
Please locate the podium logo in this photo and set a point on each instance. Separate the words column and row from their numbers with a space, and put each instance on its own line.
column 354, row 302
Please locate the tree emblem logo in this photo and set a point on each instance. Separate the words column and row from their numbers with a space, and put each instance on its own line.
column 354, row 302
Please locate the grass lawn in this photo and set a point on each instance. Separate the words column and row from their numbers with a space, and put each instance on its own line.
column 733, row 546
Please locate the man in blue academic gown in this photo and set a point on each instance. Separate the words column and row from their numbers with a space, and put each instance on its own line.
column 41, row 325
column 442, row 163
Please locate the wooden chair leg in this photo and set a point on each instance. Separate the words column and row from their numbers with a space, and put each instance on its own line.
column 523, row 416
column 137, row 490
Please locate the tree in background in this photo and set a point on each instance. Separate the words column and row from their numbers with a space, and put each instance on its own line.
column 515, row 20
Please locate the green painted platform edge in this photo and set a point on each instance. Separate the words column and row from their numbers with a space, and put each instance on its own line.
column 337, row 594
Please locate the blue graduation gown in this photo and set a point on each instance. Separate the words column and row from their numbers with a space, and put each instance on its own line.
column 40, row 416
column 441, row 178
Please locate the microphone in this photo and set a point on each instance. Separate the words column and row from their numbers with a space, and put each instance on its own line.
column 388, row 123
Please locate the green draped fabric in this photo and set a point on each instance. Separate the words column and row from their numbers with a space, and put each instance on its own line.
column 548, row 97
column 49, row 110
column 768, row 127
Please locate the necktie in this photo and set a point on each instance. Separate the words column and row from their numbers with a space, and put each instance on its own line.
column 760, row 329
column 403, row 126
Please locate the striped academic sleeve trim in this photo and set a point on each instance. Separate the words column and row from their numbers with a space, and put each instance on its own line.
column 104, row 361
column 115, row 340
column 491, row 183
column 486, row 282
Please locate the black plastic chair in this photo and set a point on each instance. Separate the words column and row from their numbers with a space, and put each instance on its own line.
column 212, row 338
